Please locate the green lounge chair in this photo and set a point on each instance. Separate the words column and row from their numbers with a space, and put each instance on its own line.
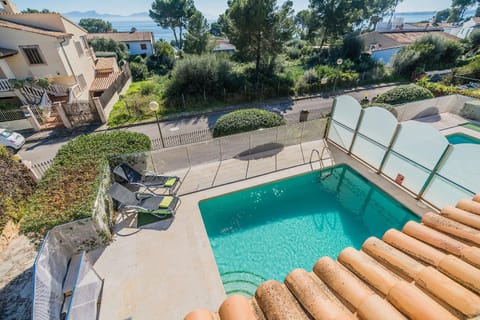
column 150, row 181
column 156, row 205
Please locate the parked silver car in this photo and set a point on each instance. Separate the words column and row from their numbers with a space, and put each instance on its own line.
column 12, row 140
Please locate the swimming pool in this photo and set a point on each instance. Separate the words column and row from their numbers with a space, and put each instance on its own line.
column 266, row 231
column 457, row 138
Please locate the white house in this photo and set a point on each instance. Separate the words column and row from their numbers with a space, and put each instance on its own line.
column 138, row 42
column 467, row 28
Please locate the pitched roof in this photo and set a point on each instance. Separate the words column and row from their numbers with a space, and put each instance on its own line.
column 124, row 36
column 400, row 38
column 429, row 270
column 103, row 81
column 17, row 26
column 5, row 52
column 105, row 63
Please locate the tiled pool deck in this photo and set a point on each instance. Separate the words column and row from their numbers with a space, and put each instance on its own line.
column 167, row 269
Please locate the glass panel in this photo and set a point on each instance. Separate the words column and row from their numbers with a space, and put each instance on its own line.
column 421, row 143
column 440, row 193
column 347, row 111
column 368, row 151
column 378, row 124
column 171, row 159
column 462, row 166
column 375, row 132
column 291, row 134
column 234, row 145
column 340, row 135
column 264, row 141
column 414, row 176
column 204, row 152
column 314, row 130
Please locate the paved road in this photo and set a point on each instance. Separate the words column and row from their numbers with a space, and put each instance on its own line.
column 46, row 149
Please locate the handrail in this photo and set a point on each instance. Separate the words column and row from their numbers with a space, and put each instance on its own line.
column 311, row 155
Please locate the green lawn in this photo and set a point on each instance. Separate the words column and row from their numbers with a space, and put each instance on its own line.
column 472, row 126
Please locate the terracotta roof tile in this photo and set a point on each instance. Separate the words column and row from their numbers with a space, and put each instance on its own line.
column 16, row 26
column 123, row 36
column 103, row 82
column 429, row 270
column 105, row 63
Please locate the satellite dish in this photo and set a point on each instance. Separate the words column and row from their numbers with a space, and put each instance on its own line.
column 339, row 61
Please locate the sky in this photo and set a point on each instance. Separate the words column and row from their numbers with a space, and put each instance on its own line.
column 210, row 8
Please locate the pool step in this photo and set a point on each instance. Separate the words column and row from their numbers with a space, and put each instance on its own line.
column 241, row 282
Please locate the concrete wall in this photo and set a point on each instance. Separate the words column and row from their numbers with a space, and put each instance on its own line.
column 17, row 125
column 82, row 63
column 424, row 108
column 49, row 49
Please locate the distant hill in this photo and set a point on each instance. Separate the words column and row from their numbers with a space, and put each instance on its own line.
column 77, row 15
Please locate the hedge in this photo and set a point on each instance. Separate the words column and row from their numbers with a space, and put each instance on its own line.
column 404, row 94
column 16, row 185
column 246, row 120
column 69, row 188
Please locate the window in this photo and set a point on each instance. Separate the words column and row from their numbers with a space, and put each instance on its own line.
column 143, row 46
column 79, row 47
column 82, row 81
column 84, row 41
column 33, row 55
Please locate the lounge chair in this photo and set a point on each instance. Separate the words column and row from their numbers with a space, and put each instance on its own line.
column 150, row 181
column 156, row 205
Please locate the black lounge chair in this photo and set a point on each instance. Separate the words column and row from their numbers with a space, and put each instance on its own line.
column 156, row 205
column 150, row 181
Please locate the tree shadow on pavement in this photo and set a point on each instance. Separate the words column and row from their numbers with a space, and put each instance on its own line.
column 263, row 151
column 16, row 297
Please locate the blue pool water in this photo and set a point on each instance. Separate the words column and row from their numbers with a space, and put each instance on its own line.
column 265, row 232
column 457, row 138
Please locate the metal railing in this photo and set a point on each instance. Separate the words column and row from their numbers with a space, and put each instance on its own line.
column 5, row 85
column 11, row 115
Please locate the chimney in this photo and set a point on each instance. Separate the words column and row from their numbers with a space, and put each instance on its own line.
column 9, row 6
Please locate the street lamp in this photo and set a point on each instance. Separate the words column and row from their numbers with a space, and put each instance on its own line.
column 339, row 63
column 154, row 107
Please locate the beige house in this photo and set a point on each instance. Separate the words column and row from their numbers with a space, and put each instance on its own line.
column 50, row 46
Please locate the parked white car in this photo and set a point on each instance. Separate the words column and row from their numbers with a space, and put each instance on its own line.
column 12, row 140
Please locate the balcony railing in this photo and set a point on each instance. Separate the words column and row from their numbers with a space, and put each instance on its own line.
column 5, row 85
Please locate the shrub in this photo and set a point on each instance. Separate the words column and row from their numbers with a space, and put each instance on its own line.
column 16, row 185
column 309, row 82
column 139, row 71
column 69, row 188
column 197, row 78
column 246, row 120
column 428, row 52
column 403, row 94
column 475, row 38
column 147, row 88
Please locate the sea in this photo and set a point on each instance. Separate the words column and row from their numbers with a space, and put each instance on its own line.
column 144, row 23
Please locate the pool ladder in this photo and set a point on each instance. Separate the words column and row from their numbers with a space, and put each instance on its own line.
column 322, row 156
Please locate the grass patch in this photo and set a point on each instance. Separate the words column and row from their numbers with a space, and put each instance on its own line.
column 133, row 106
column 471, row 126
